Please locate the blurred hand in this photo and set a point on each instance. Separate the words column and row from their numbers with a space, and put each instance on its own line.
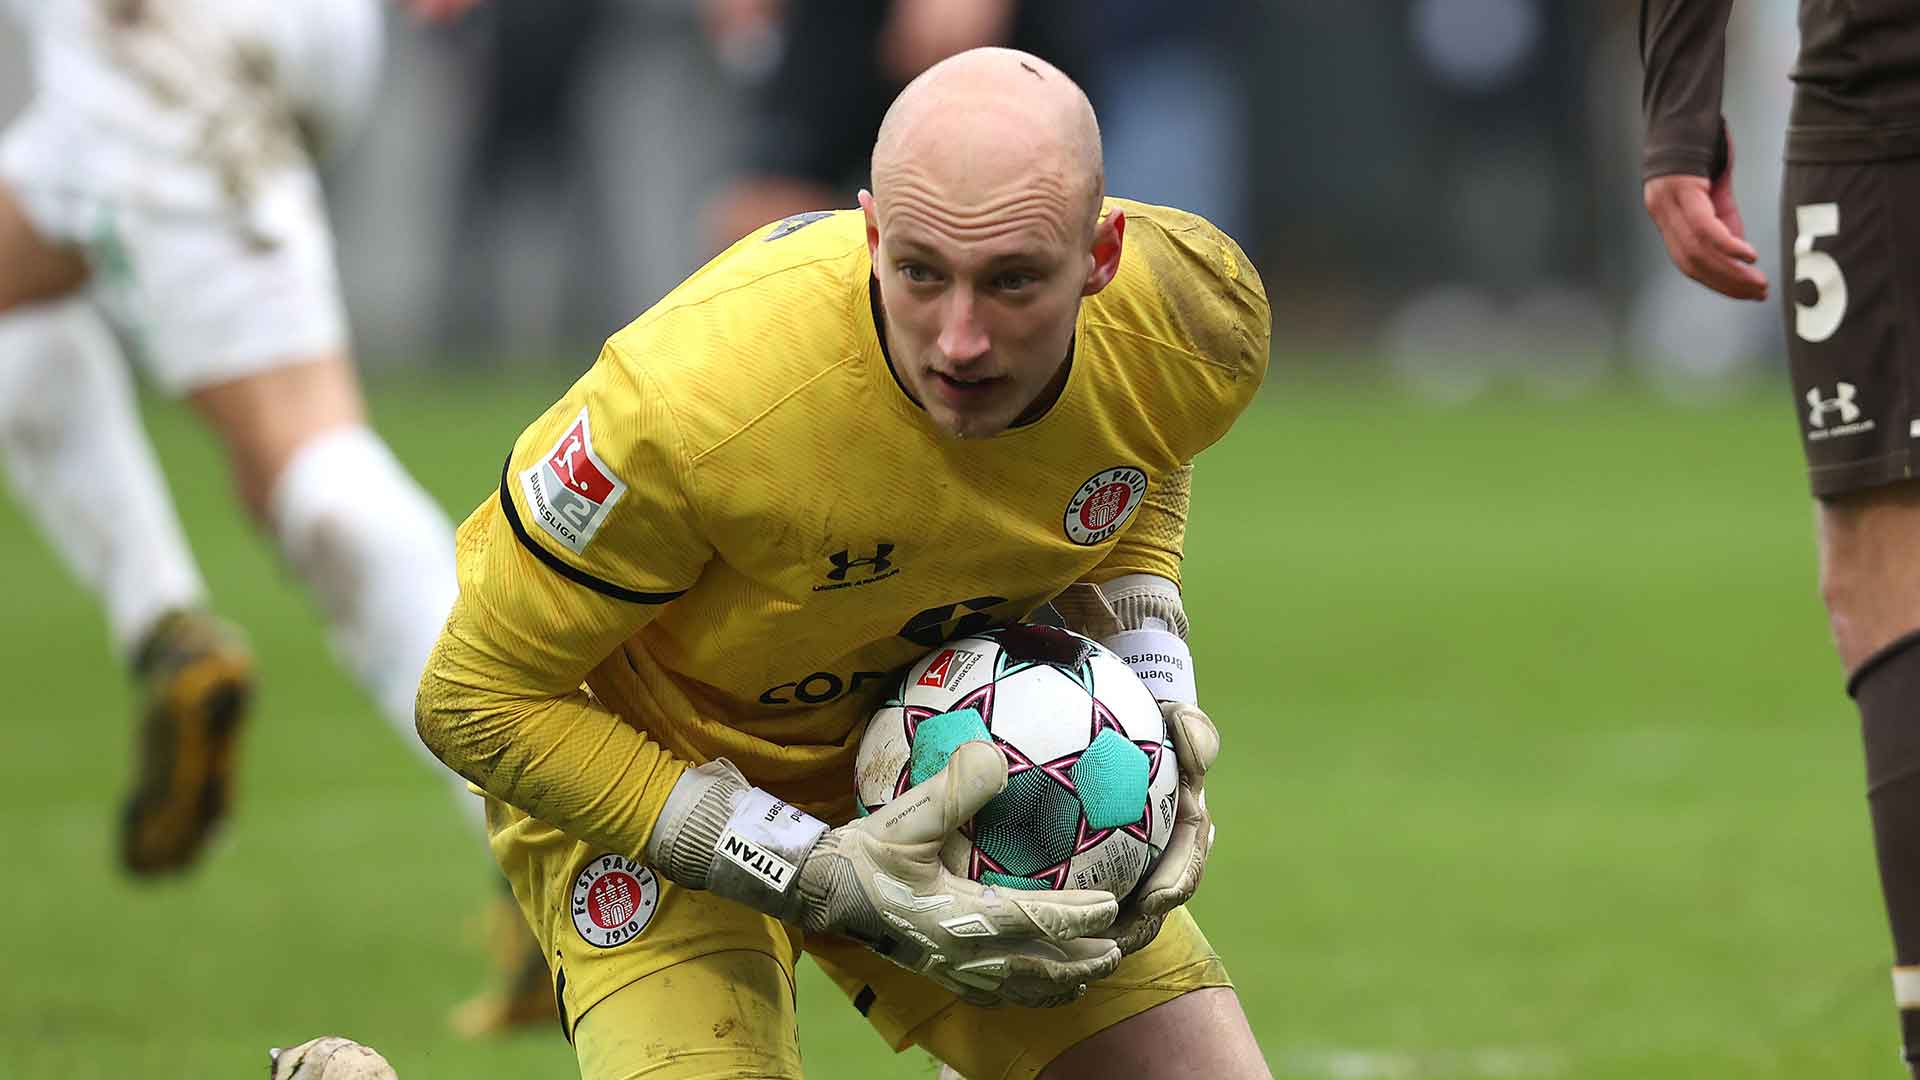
column 439, row 10
column 729, row 20
column 1705, row 237
column 745, row 34
column 920, row 33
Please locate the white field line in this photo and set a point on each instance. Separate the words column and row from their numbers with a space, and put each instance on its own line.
column 1480, row 1063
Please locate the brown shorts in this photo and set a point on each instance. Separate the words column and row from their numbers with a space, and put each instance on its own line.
column 1851, row 233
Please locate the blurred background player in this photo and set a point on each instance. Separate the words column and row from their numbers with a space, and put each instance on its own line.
column 526, row 81
column 163, row 180
column 1853, row 347
column 822, row 73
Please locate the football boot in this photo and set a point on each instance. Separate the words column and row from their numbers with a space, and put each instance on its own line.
column 196, row 677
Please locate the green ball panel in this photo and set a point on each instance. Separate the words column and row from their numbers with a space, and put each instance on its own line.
column 1029, row 827
column 1008, row 881
column 1112, row 778
column 937, row 737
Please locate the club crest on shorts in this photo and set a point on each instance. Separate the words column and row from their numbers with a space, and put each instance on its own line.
column 1102, row 505
column 571, row 490
column 613, row 900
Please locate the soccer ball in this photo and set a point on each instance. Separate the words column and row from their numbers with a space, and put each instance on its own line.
column 329, row 1057
column 1091, row 775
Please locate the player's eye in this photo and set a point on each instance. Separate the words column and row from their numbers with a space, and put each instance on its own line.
column 916, row 274
column 1013, row 280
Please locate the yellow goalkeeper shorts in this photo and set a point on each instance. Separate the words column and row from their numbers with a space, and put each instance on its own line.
column 659, row 981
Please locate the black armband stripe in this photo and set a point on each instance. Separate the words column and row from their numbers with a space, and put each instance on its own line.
column 564, row 569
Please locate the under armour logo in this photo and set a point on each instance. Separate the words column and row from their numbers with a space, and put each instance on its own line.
column 1842, row 403
column 843, row 561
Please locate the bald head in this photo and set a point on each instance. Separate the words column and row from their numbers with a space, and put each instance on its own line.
column 984, row 232
column 988, row 118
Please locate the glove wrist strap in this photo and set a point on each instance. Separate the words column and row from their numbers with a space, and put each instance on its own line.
column 683, row 840
column 1161, row 659
column 740, row 842
column 757, row 855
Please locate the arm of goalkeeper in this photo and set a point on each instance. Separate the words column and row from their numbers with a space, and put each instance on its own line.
column 1140, row 617
column 879, row 880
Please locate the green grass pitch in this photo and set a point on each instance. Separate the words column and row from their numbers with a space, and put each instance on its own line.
column 1536, row 765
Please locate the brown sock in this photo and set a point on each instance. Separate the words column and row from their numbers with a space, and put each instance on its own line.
column 1887, row 690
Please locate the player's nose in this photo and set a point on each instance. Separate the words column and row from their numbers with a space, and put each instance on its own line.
column 962, row 337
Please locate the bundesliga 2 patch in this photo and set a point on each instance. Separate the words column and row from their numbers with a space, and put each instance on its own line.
column 571, row 491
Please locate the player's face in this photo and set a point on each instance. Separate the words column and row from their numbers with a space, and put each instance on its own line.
column 981, row 298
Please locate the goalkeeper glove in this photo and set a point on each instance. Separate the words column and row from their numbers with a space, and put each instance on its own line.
column 1176, row 876
column 879, row 880
column 1141, row 618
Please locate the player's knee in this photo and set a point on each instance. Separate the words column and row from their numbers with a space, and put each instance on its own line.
column 268, row 419
column 1870, row 588
column 1842, row 586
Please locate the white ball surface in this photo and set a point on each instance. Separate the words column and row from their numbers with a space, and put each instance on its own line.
column 331, row 1057
column 1091, row 775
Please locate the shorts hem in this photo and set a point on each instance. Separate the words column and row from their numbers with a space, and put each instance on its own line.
column 1828, row 481
column 178, row 380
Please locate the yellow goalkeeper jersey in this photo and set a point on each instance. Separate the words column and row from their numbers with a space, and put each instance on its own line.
column 737, row 523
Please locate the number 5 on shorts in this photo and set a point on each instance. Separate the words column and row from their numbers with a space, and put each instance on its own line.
column 1816, row 322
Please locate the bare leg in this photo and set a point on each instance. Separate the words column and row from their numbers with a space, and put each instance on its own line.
column 1203, row 1033
column 266, row 418
column 33, row 269
column 1870, row 568
column 374, row 550
column 377, row 554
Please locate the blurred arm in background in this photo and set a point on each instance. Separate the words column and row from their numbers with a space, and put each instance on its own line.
column 1688, row 160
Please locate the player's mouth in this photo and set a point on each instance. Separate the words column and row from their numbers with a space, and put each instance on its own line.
column 963, row 390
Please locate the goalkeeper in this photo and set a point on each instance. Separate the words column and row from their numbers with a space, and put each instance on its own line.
column 852, row 435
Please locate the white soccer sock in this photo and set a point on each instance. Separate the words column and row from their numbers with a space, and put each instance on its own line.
column 377, row 553
column 82, row 468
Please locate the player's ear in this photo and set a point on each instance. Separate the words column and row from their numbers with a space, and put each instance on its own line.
column 873, row 229
column 1107, row 234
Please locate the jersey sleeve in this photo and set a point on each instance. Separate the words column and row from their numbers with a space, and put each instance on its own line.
column 1683, row 55
column 598, row 488
column 1214, row 307
column 1219, row 313
column 1154, row 542
column 591, row 533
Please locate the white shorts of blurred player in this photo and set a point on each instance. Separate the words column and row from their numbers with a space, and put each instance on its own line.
column 175, row 142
